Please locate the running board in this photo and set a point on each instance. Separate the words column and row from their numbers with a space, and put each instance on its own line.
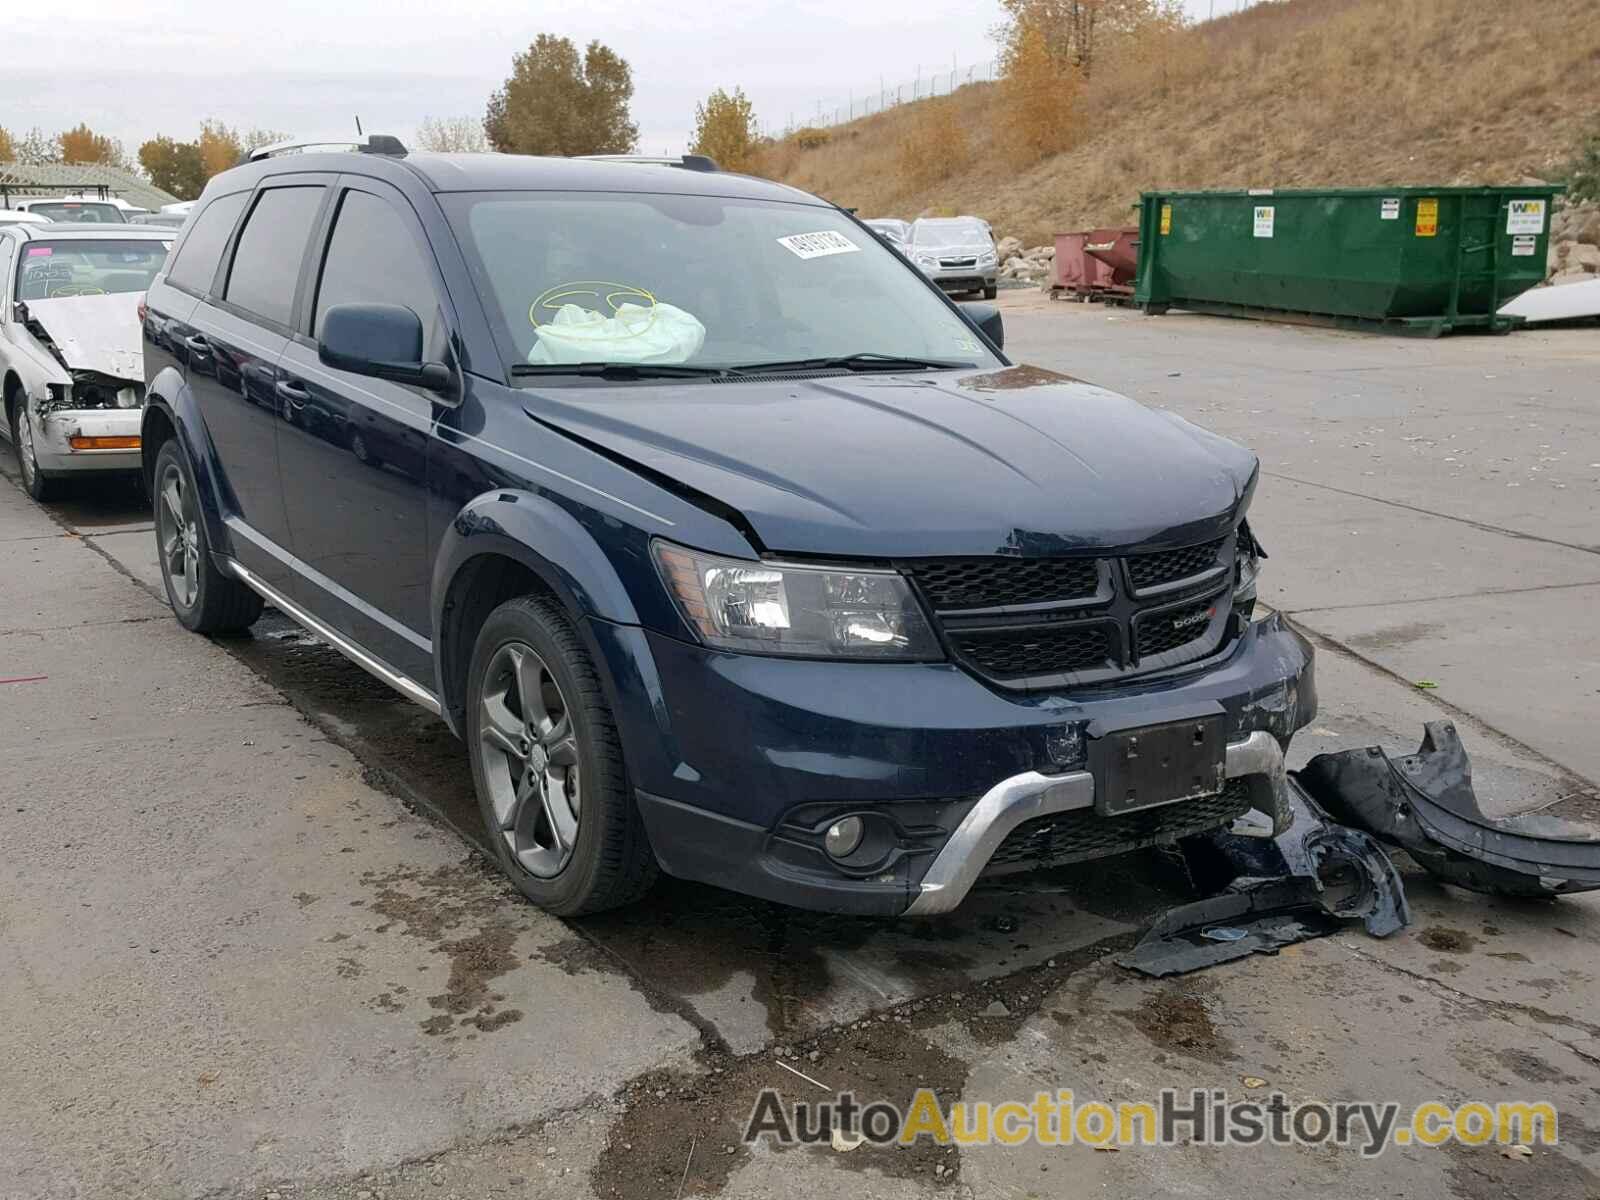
column 404, row 684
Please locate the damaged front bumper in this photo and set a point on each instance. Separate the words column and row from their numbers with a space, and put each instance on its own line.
column 95, row 439
column 742, row 763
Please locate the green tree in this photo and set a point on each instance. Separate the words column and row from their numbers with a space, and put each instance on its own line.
column 725, row 129
column 80, row 144
column 173, row 166
column 8, row 148
column 555, row 103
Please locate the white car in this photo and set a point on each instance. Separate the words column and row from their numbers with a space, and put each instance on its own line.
column 14, row 216
column 71, row 354
column 76, row 208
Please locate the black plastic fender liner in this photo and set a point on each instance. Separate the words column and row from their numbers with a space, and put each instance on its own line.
column 1425, row 804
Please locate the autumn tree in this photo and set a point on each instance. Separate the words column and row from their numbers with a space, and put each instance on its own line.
column 8, row 148
column 174, row 166
column 1039, row 94
column 556, row 103
column 725, row 130
column 934, row 145
column 451, row 135
column 1079, row 33
column 81, row 144
column 220, row 147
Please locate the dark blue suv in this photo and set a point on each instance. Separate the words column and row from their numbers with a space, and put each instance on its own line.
column 725, row 541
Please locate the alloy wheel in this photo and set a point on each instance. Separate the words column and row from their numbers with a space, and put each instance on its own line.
column 25, row 458
column 178, row 534
column 528, row 752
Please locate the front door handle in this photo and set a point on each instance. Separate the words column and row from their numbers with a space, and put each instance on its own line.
column 292, row 392
column 198, row 346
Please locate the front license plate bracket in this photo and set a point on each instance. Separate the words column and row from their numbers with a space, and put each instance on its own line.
column 1163, row 763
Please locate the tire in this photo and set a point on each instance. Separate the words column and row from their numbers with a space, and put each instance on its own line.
column 39, row 484
column 203, row 598
column 989, row 293
column 552, row 787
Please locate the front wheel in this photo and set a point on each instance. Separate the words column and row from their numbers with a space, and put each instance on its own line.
column 547, row 765
column 989, row 293
column 40, row 486
column 202, row 597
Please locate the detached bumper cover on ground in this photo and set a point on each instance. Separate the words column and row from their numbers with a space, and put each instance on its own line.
column 1425, row 804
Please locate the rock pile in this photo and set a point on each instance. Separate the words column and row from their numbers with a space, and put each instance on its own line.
column 1574, row 242
column 1033, row 265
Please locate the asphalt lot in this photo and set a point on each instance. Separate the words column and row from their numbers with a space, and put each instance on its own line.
column 261, row 955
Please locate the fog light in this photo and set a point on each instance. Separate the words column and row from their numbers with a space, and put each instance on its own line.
column 843, row 837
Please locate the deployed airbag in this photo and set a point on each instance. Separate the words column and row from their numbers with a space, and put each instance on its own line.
column 635, row 333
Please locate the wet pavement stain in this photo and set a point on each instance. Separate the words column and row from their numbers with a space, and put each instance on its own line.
column 887, row 1055
column 1445, row 940
column 433, row 905
column 1179, row 1021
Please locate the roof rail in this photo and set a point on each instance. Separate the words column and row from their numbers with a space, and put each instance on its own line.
column 689, row 162
column 376, row 143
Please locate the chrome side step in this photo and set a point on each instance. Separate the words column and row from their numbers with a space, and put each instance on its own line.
column 404, row 684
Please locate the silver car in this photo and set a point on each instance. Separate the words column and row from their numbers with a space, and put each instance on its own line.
column 891, row 229
column 957, row 253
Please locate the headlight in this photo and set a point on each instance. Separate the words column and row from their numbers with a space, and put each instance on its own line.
column 811, row 612
column 987, row 259
column 927, row 262
column 1247, row 568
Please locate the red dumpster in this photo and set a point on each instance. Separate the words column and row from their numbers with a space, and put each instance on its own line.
column 1096, row 264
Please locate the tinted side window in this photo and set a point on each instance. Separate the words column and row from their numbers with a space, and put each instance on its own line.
column 196, row 264
column 373, row 259
column 266, row 264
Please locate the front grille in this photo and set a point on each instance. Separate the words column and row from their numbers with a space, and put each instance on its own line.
column 1076, row 621
column 1083, row 834
column 999, row 582
column 1157, row 633
column 1169, row 566
column 958, row 262
column 1011, row 654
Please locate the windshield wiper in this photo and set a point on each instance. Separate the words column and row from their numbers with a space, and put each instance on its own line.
column 611, row 370
column 852, row 362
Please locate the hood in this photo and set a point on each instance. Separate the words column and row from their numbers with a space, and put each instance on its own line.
column 954, row 249
column 95, row 333
column 1013, row 461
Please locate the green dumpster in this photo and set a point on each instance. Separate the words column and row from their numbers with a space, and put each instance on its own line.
column 1409, row 259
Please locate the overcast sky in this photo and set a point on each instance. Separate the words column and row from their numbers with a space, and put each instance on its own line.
column 308, row 67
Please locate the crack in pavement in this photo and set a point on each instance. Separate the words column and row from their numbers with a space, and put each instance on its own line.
column 1483, row 526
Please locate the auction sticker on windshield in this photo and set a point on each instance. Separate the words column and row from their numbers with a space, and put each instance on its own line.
column 818, row 245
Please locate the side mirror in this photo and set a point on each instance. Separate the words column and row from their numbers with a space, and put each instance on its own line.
column 381, row 340
column 987, row 318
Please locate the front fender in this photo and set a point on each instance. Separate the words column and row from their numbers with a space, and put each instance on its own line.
column 168, row 398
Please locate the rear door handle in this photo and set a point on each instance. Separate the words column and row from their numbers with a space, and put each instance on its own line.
column 197, row 345
column 292, row 392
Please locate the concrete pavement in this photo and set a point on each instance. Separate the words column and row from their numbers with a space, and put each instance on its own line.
column 260, row 954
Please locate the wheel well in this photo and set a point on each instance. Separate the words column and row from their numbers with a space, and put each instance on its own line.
column 479, row 587
column 13, row 386
column 157, row 429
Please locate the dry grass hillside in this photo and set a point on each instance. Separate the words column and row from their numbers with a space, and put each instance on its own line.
column 1302, row 93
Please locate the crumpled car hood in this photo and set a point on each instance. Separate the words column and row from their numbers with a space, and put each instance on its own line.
column 95, row 333
column 1011, row 461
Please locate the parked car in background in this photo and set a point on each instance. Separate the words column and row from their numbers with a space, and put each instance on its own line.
column 165, row 220
column 71, row 208
column 12, row 216
column 957, row 253
column 893, row 230
column 726, row 542
column 71, row 374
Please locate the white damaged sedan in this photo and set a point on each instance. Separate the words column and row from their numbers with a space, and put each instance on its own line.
column 71, row 362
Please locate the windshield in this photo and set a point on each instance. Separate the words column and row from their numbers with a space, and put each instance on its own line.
column 81, row 267
column 75, row 210
column 949, row 232
column 700, row 281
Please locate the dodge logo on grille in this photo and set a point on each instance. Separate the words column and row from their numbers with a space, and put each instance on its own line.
column 1194, row 618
